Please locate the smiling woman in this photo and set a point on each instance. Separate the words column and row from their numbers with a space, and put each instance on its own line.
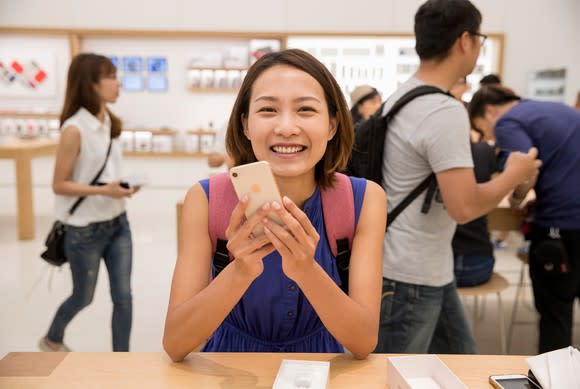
column 281, row 290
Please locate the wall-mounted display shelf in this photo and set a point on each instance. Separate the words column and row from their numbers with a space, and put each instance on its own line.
column 29, row 115
column 164, row 142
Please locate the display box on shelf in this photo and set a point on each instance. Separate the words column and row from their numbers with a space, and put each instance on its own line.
column 143, row 140
column 162, row 143
column 420, row 372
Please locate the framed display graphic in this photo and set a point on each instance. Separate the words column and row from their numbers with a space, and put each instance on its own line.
column 156, row 64
column 132, row 82
column 132, row 64
column 27, row 73
column 157, row 83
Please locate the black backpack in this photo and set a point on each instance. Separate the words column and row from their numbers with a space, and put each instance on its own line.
column 367, row 155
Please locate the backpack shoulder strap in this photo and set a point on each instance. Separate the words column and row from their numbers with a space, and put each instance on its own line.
column 339, row 222
column 418, row 91
column 221, row 202
column 338, row 212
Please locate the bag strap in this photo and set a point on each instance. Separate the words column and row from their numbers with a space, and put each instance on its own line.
column 221, row 202
column 430, row 181
column 94, row 180
column 339, row 221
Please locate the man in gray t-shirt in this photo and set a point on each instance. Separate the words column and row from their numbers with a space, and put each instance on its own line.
column 420, row 310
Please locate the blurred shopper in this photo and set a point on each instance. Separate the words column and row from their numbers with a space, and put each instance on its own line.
column 554, row 129
column 472, row 247
column 98, row 229
column 431, row 135
column 364, row 100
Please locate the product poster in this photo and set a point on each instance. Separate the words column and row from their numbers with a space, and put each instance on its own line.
column 29, row 73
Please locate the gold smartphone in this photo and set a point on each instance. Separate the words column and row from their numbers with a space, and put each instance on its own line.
column 257, row 181
column 510, row 381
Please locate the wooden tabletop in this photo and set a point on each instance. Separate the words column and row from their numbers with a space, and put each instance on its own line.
column 219, row 370
column 16, row 147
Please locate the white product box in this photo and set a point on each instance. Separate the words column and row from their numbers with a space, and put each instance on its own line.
column 163, row 143
column 143, row 141
column 302, row 374
column 420, row 372
column 127, row 140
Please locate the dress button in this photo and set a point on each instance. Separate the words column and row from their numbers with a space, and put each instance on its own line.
column 292, row 287
column 290, row 313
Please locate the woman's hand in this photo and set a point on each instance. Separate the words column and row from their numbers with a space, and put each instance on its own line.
column 296, row 242
column 248, row 251
column 115, row 190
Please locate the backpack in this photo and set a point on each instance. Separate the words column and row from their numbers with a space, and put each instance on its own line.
column 337, row 209
column 367, row 155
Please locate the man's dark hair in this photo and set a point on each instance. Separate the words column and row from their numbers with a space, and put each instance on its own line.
column 490, row 79
column 438, row 24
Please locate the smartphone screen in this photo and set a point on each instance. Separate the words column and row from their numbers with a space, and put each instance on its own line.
column 514, row 383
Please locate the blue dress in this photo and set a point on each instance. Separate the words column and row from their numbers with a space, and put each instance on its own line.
column 274, row 315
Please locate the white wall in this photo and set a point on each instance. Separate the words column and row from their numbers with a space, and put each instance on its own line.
column 539, row 33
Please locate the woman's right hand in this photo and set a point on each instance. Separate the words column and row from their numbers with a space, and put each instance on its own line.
column 115, row 190
column 247, row 250
column 524, row 166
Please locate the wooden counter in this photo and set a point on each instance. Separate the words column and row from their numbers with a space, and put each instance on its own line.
column 22, row 151
column 219, row 370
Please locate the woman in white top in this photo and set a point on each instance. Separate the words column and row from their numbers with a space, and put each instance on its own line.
column 98, row 228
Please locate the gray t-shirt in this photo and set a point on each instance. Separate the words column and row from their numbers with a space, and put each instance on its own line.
column 429, row 134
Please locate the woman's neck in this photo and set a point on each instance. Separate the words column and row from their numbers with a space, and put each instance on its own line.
column 298, row 189
column 101, row 113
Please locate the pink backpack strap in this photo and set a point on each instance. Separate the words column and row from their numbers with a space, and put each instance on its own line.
column 222, row 201
column 338, row 212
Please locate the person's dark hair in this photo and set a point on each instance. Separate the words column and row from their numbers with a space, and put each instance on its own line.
column 354, row 112
column 490, row 79
column 338, row 149
column 489, row 95
column 84, row 72
column 438, row 24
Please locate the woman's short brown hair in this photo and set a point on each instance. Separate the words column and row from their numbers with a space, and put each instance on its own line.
column 339, row 147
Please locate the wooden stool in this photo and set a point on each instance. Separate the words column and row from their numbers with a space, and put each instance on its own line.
column 496, row 284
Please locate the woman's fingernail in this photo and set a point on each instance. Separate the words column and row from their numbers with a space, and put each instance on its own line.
column 266, row 206
column 276, row 205
column 286, row 200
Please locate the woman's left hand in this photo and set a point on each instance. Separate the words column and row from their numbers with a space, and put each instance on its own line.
column 295, row 241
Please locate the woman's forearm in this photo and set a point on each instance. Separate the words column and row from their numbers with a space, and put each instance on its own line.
column 191, row 323
column 353, row 325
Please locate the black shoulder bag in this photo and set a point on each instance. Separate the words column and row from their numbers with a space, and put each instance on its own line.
column 54, row 253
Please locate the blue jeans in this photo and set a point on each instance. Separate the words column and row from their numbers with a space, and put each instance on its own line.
column 471, row 270
column 423, row 319
column 84, row 247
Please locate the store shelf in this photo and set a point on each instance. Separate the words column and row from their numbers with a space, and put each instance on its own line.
column 28, row 115
column 214, row 69
column 154, row 154
column 213, row 90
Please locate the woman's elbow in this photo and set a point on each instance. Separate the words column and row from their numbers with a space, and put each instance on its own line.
column 365, row 349
column 171, row 352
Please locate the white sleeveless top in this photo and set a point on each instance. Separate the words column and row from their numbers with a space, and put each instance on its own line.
column 93, row 149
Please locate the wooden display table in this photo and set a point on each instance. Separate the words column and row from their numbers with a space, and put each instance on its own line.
column 22, row 151
column 219, row 370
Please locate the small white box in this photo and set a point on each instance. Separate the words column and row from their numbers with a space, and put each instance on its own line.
column 420, row 372
column 302, row 374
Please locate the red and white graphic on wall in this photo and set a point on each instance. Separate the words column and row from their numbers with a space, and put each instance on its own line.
column 28, row 74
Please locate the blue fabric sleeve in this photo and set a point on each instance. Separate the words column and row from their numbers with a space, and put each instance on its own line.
column 205, row 185
column 511, row 135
